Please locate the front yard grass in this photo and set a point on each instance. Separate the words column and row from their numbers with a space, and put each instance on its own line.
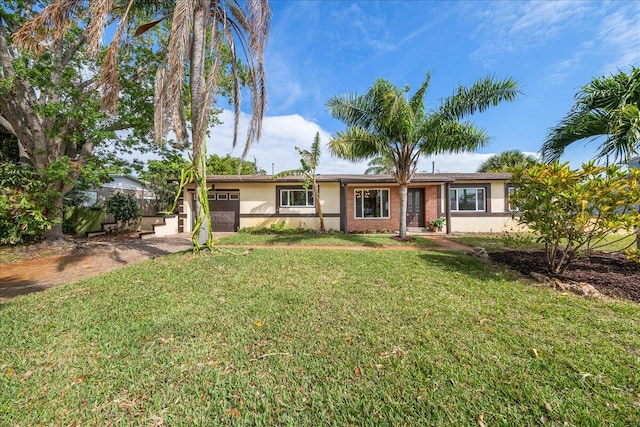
column 323, row 239
column 497, row 242
column 317, row 337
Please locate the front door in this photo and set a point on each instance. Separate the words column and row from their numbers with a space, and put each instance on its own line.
column 415, row 207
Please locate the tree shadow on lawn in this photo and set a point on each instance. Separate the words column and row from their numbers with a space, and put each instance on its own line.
column 13, row 286
column 367, row 240
column 481, row 269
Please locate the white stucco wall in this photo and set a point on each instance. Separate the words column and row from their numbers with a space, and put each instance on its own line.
column 259, row 199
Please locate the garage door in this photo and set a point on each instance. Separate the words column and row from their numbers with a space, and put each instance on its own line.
column 225, row 210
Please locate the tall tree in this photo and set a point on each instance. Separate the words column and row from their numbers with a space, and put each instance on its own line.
column 228, row 165
column 506, row 160
column 386, row 122
column 607, row 110
column 50, row 102
column 309, row 160
column 202, row 33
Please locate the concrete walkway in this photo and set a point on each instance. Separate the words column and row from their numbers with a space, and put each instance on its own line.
column 91, row 258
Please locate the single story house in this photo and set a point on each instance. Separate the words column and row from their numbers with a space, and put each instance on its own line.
column 120, row 183
column 471, row 202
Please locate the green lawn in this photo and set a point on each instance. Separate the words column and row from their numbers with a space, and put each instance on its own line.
column 494, row 242
column 328, row 239
column 313, row 338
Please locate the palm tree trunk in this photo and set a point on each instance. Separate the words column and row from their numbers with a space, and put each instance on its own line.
column 403, row 211
column 197, row 81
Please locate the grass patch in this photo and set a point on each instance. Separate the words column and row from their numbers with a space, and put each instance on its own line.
column 316, row 337
column 320, row 239
column 498, row 242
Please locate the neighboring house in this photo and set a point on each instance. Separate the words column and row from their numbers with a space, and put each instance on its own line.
column 121, row 183
column 471, row 202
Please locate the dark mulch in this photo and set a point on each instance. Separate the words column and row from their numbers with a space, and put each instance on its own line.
column 611, row 274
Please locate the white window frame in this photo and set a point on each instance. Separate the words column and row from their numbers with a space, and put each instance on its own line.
column 234, row 196
column 223, row 196
column 454, row 208
column 309, row 201
column 361, row 199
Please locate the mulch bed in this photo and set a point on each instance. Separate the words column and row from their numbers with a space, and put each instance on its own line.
column 611, row 274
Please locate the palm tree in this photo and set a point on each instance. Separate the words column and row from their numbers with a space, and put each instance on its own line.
column 507, row 159
column 309, row 160
column 202, row 32
column 384, row 122
column 380, row 165
column 607, row 108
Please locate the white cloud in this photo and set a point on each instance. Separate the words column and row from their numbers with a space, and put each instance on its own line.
column 276, row 152
column 276, row 149
column 281, row 134
column 620, row 35
column 510, row 27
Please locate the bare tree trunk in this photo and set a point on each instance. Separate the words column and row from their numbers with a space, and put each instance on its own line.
column 55, row 233
column 403, row 211
column 316, row 197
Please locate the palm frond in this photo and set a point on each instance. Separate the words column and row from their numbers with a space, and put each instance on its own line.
column 177, row 50
column 380, row 165
column 109, row 69
column 100, row 10
column 355, row 144
column 606, row 109
column 259, row 24
column 481, row 95
column 582, row 125
column 316, row 151
column 449, row 136
column 417, row 100
column 48, row 27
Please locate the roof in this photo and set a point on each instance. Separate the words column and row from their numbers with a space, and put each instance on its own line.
column 478, row 176
column 361, row 178
column 129, row 177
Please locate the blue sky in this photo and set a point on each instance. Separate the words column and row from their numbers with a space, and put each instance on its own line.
column 319, row 49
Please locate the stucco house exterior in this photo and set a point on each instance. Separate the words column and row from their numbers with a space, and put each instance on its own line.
column 471, row 202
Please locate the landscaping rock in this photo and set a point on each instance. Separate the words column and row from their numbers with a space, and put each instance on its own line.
column 582, row 289
column 478, row 252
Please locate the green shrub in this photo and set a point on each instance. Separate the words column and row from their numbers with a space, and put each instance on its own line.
column 275, row 228
column 26, row 204
column 125, row 210
column 573, row 210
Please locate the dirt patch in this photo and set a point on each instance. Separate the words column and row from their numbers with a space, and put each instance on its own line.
column 611, row 274
column 67, row 246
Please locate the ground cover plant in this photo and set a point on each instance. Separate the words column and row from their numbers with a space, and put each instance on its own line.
column 317, row 337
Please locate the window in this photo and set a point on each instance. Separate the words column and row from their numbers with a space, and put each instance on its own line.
column 467, row 199
column 296, row 198
column 510, row 191
column 222, row 196
column 234, row 196
column 371, row 203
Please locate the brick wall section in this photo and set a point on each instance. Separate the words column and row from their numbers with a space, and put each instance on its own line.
column 430, row 204
column 362, row 225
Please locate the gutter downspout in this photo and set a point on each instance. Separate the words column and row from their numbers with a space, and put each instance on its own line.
column 343, row 207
